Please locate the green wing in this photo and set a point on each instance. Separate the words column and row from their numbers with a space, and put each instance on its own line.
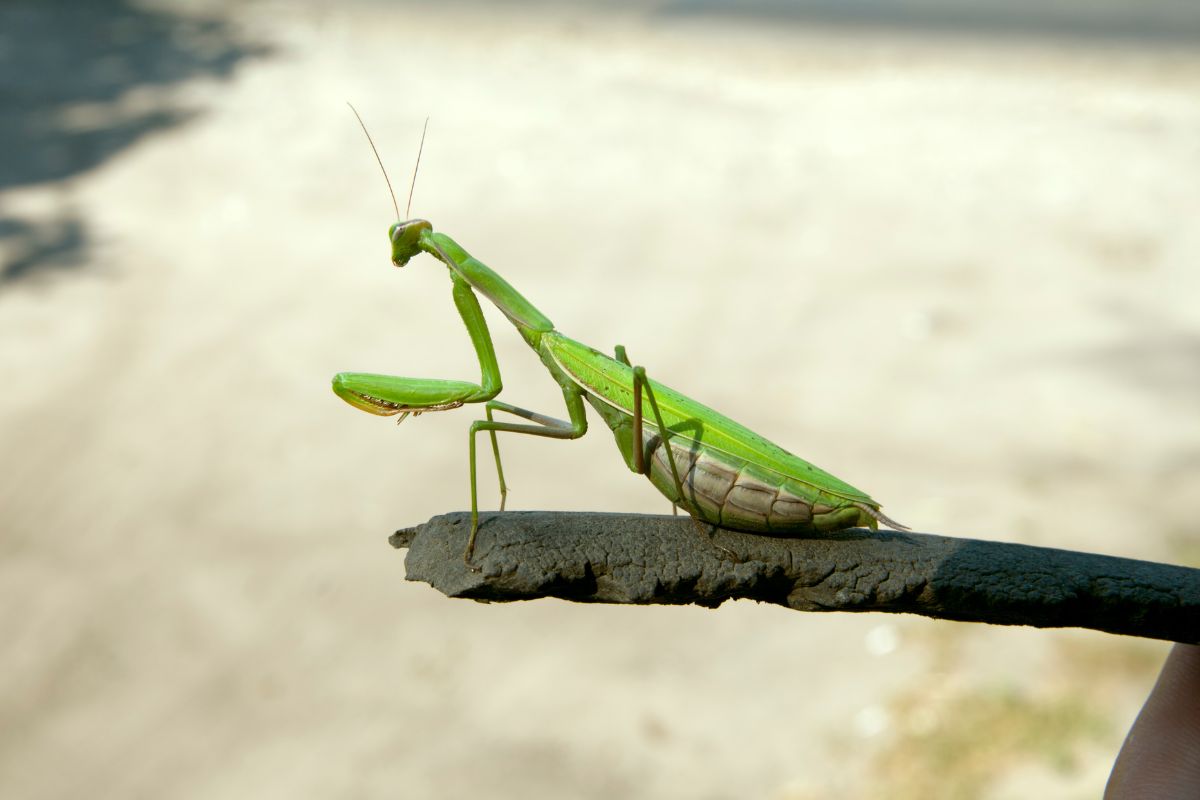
column 612, row 382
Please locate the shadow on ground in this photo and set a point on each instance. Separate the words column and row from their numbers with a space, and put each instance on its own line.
column 1150, row 21
column 81, row 82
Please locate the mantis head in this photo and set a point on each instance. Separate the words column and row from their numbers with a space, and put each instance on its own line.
column 406, row 239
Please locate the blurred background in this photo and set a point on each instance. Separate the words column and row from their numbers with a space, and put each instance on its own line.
column 946, row 251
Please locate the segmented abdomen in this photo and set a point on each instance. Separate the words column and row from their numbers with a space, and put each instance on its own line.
column 733, row 493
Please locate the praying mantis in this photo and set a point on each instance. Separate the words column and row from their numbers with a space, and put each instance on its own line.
column 718, row 471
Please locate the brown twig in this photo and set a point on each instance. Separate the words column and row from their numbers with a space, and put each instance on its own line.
column 632, row 558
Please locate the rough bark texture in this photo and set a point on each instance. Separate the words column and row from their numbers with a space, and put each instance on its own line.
column 633, row 558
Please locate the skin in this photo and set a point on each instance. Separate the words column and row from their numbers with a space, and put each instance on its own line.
column 717, row 470
column 1161, row 756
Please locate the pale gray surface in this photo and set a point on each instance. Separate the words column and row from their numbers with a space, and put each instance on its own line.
column 957, row 271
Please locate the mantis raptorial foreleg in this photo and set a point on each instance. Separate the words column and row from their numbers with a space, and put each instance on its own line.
column 472, row 316
column 389, row 395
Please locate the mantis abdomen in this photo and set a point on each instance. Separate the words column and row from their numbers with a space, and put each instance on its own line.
column 724, row 490
column 728, row 475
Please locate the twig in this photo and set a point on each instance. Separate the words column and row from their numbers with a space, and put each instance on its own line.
column 632, row 558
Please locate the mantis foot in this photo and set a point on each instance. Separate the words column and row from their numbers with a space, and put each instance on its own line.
column 469, row 553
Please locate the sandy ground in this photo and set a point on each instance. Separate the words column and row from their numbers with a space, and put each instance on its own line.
column 955, row 269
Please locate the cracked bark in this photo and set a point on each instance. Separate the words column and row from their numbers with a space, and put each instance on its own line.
column 642, row 559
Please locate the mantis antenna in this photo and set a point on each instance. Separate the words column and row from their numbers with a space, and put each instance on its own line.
column 413, row 185
column 371, row 142
column 416, row 166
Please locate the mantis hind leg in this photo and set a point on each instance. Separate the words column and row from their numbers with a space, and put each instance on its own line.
column 623, row 357
column 640, row 382
column 549, row 427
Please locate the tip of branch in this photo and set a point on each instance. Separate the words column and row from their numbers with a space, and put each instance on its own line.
column 403, row 537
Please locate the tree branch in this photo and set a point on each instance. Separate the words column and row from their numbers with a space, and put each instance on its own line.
column 633, row 558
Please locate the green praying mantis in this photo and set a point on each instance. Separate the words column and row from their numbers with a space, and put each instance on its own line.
column 718, row 471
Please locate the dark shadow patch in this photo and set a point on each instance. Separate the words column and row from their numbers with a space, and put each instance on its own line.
column 70, row 76
column 1151, row 21
column 45, row 244
column 843, row 535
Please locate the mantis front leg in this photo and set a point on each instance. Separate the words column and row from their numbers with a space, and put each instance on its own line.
column 388, row 395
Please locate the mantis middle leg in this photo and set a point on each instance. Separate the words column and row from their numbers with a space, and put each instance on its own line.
column 549, row 427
